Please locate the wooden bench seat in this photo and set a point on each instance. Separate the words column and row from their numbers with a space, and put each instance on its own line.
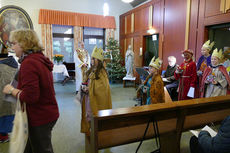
column 126, row 125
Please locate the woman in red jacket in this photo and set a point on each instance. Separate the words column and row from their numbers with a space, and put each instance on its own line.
column 35, row 84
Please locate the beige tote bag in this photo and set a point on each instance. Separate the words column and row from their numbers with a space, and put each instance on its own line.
column 19, row 135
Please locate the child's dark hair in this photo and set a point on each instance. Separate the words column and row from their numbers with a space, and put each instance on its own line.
column 100, row 67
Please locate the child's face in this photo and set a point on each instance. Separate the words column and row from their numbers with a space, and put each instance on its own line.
column 214, row 60
column 94, row 62
column 205, row 52
column 152, row 69
column 187, row 56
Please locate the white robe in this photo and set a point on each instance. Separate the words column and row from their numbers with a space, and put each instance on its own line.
column 78, row 71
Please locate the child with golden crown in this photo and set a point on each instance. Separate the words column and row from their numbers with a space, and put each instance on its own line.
column 215, row 78
column 153, row 85
column 187, row 75
column 203, row 62
column 97, row 90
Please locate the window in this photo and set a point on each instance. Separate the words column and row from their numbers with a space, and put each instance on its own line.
column 63, row 42
column 93, row 37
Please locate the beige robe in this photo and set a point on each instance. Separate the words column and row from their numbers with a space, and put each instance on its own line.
column 99, row 92
column 99, row 98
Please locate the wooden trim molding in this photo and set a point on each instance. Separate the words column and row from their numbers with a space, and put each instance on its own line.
column 125, row 24
column 132, row 43
column 124, row 46
column 150, row 16
column 132, row 23
column 222, row 6
column 227, row 6
column 187, row 24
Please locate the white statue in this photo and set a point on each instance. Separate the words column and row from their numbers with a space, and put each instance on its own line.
column 129, row 62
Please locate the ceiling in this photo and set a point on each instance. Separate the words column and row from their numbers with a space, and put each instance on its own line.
column 137, row 2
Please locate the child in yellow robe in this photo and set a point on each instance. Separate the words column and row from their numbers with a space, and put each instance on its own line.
column 97, row 90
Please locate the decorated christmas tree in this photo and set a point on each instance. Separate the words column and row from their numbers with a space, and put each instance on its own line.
column 115, row 68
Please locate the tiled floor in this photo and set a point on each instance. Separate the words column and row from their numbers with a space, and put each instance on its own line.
column 66, row 134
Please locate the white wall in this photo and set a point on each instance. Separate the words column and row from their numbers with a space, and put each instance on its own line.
column 32, row 7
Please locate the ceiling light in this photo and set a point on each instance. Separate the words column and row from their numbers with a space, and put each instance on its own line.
column 151, row 31
column 106, row 9
column 127, row 1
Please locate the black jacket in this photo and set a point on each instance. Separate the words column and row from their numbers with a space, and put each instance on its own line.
column 218, row 144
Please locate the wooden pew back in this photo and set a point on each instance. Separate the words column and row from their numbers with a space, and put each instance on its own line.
column 126, row 125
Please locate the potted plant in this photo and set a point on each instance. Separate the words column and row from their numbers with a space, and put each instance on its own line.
column 58, row 58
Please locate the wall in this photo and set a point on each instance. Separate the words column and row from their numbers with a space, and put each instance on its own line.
column 167, row 21
column 32, row 7
column 181, row 24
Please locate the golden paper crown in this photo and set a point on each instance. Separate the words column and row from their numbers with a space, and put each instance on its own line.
column 98, row 53
column 208, row 45
column 217, row 53
column 156, row 63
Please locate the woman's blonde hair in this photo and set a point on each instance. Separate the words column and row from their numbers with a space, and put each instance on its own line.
column 27, row 39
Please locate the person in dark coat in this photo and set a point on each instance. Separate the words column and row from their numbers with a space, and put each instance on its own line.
column 207, row 144
column 35, row 85
column 168, row 77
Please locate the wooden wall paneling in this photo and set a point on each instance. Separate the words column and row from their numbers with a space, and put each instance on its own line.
column 214, row 7
column 128, row 24
column 157, row 15
column 141, row 18
column 137, row 43
column 137, row 21
column 174, row 29
column 200, row 33
column 125, row 44
column 161, row 28
column 144, row 19
column 122, row 25
column 122, row 46
column 128, row 42
column 219, row 19
column 193, row 25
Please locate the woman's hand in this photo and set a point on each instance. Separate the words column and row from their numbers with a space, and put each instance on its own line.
column 214, row 82
column 8, row 89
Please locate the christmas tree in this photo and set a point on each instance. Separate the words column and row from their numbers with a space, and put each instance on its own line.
column 115, row 68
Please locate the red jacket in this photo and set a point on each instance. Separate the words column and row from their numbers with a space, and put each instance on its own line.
column 187, row 78
column 35, row 79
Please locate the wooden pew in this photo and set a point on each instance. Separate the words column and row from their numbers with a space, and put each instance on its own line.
column 126, row 125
